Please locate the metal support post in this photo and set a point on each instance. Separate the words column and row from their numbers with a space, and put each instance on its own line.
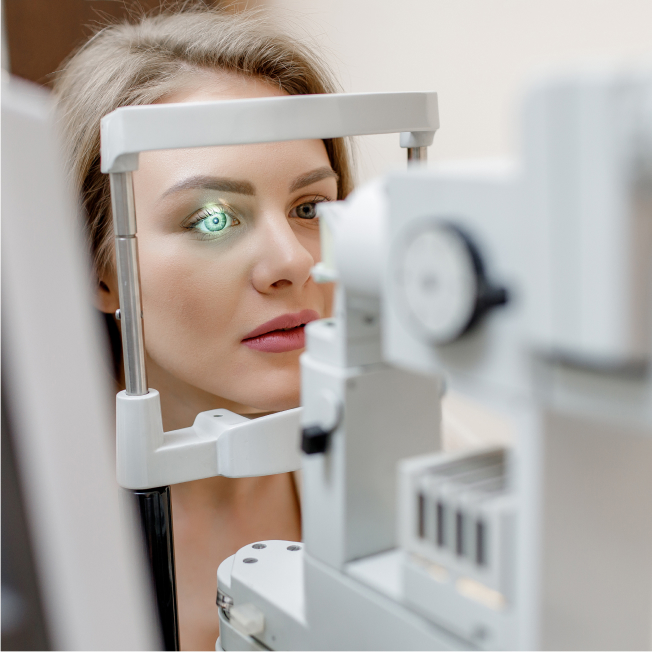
column 155, row 505
column 417, row 155
column 126, row 253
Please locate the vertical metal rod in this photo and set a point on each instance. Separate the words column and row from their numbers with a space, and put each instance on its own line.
column 156, row 517
column 155, row 504
column 417, row 155
column 126, row 252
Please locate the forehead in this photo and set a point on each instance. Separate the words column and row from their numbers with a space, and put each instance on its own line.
column 265, row 164
column 202, row 85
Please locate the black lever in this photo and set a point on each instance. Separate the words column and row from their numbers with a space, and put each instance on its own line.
column 314, row 439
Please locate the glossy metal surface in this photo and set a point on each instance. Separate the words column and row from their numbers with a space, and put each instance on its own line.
column 156, row 516
column 122, row 203
column 417, row 155
column 131, row 315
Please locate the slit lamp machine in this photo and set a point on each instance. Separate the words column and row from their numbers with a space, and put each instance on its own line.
column 526, row 287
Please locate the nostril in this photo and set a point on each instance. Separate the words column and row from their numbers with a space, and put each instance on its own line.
column 282, row 283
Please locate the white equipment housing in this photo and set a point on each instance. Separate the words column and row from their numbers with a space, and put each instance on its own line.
column 529, row 289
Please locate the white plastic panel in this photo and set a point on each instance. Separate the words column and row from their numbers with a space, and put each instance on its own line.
column 349, row 500
column 133, row 129
column 218, row 443
column 587, row 209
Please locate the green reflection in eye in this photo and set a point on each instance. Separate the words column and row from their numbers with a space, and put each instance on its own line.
column 213, row 219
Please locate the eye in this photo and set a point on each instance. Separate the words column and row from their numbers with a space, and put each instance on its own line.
column 306, row 211
column 212, row 219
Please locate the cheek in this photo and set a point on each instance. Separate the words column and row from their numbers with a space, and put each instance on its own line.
column 309, row 239
column 189, row 300
column 329, row 296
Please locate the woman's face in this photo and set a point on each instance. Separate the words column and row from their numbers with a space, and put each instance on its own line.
column 227, row 238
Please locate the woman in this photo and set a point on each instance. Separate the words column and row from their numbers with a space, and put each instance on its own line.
column 227, row 238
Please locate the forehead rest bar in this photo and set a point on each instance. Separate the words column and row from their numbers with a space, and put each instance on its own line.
column 129, row 130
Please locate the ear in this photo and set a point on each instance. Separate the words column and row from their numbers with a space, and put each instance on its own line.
column 107, row 297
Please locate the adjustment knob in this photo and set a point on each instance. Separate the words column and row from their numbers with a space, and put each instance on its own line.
column 443, row 282
column 326, row 412
column 314, row 439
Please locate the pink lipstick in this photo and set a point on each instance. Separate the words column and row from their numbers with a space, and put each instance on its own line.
column 281, row 334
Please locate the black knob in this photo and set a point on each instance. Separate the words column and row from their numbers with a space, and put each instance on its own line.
column 489, row 295
column 314, row 439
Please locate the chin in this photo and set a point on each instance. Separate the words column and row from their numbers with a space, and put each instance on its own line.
column 269, row 392
column 273, row 400
column 279, row 404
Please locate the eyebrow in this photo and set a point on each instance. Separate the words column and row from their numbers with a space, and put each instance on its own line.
column 220, row 184
column 313, row 177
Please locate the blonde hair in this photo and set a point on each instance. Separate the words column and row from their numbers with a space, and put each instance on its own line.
column 140, row 62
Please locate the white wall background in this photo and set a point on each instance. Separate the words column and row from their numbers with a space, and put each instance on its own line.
column 478, row 55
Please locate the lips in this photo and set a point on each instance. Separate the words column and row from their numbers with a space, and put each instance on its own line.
column 281, row 334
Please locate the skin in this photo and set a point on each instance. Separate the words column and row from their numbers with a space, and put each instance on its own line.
column 202, row 294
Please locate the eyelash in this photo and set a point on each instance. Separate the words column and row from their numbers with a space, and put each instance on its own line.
column 318, row 199
column 215, row 210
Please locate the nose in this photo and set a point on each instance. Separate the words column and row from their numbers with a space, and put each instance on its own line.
column 283, row 262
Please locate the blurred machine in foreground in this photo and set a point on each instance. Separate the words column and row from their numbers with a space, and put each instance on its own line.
column 73, row 576
column 529, row 289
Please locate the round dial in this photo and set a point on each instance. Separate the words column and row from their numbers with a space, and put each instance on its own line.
column 440, row 282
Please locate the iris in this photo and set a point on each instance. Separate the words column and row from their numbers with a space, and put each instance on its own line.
column 306, row 211
column 215, row 219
